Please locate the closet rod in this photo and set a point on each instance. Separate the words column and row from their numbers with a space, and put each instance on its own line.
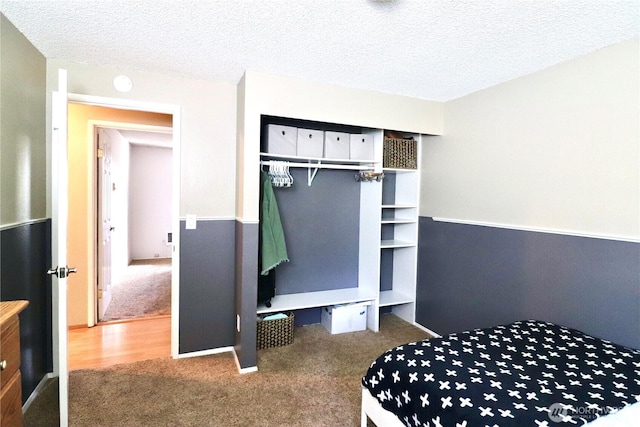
column 319, row 165
column 315, row 167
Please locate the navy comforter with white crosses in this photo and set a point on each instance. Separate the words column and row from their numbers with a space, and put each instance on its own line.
column 528, row 373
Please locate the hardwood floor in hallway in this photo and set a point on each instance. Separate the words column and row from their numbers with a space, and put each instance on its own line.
column 122, row 342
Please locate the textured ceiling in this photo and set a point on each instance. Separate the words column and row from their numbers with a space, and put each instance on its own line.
column 436, row 49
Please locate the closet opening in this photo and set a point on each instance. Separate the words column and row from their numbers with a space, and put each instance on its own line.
column 321, row 221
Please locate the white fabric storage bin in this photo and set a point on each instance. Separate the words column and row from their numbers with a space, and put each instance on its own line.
column 282, row 140
column 361, row 147
column 339, row 319
column 336, row 145
column 310, row 143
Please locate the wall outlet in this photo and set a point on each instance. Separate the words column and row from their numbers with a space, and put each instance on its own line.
column 156, row 255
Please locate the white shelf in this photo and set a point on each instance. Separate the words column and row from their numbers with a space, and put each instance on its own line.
column 398, row 170
column 387, row 244
column 314, row 160
column 398, row 221
column 399, row 206
column 389, row 298
column 315, row 299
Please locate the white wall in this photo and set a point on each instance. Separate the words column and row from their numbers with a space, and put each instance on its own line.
column 207, row 127
column 558, row 149
column 149, row 202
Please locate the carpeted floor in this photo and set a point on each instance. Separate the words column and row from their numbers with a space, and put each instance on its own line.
column 143, row 290
column 313, row 382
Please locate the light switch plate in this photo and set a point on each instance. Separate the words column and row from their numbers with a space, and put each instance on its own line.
column 191, row 222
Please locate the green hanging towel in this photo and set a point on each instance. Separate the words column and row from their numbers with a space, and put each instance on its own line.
column 274, row 248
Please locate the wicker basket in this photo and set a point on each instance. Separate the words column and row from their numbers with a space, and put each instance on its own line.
column 400, row 153
column 275, row 333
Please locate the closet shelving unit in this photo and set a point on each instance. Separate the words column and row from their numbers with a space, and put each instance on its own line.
column 395, row 209
column 399, row 238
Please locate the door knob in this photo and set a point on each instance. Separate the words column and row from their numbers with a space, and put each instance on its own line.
column 61, row 272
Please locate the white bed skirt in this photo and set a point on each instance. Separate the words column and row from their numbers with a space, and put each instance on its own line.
column 371, row 408
column 629, row 416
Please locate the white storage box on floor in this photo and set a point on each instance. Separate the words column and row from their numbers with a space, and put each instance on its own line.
column 345, row 318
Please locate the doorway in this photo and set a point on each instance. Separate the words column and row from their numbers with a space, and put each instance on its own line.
column 134, row 217
column 86, row 115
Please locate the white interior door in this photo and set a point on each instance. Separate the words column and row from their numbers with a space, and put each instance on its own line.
column 59, row 216
column 105, row 226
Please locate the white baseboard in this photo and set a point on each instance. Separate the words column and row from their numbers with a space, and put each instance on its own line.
column 205, row 352
column 242, row 370
column 218, row 351
column 427, row 330
column 37, row 390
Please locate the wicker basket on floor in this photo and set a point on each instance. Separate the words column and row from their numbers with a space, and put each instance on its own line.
column 400, row 153
column 275, row 333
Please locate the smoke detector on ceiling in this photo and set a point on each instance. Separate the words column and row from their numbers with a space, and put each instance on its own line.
column 122, row 83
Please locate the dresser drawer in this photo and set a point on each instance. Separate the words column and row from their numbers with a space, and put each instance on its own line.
column 11, row 402
column 9, row 350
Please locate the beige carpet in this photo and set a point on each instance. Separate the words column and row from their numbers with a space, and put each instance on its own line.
column 313, row 382
column 144, row 290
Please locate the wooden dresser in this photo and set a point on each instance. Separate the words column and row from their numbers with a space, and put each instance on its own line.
column 10, row 380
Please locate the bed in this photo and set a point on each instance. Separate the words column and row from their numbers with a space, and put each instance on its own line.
column 527, row 373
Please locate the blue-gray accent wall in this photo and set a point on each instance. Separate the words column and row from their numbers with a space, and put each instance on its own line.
column 321, row 224
column 246, row 286
column 473, row 276
column 207, row 312
column 25, row 256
